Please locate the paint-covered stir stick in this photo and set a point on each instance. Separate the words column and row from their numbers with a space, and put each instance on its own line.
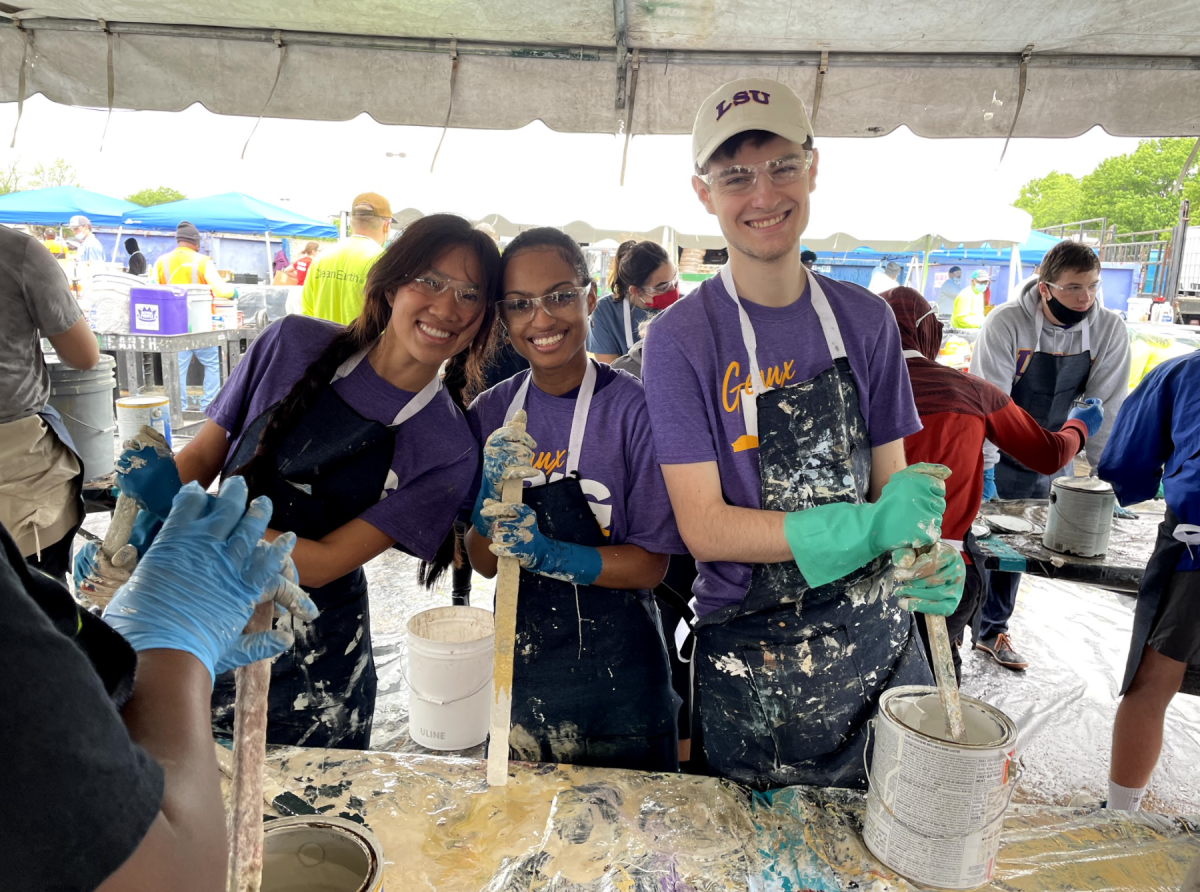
column 943, row 671
column 121, row 525
column 508, row 578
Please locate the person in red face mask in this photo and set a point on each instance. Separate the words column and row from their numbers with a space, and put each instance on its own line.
column 643, row 281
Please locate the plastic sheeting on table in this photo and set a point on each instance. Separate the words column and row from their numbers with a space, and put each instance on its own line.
column 570, row 829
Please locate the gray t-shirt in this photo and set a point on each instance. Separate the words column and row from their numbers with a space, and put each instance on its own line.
column 35, row 302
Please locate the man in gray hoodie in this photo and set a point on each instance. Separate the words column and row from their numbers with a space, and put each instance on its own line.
column 1054, row 344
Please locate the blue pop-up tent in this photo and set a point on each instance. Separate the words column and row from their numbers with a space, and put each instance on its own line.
column 230, row 212
column 57, row 205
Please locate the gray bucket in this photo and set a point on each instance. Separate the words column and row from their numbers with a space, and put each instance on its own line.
column 84, row 399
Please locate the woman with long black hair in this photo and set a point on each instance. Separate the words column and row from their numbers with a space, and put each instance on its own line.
column 352, row 434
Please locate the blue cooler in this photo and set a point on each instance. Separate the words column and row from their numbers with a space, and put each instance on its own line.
column 158, row 309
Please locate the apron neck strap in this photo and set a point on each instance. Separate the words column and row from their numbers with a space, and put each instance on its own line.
column 1084, row 329
column 412, row 407
column 628, row 323
column 583, row 403
column 913, row 354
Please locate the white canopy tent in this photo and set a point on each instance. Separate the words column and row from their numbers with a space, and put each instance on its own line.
column 942, row 67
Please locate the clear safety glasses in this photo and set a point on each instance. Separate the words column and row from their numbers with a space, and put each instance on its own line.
column 742, row 178
column 656, row 290
column 467, row 297
column 1077, row 291
column 558, row 304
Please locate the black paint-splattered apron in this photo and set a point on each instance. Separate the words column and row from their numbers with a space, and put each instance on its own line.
column 1047, row 390
column 591, row 682
column 332, row 467
column 788, row 678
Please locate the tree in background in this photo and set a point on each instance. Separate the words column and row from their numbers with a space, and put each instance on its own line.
column 1134, row 191
column 57, row 173
column 149, row 197
column 1052, row 199
column 10, row 177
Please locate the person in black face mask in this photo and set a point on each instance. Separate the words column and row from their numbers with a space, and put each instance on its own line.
column 1053, row 344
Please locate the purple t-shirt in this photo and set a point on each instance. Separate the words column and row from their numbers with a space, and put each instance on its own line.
column 618, row 469
column 436, row 457
column 695, row 365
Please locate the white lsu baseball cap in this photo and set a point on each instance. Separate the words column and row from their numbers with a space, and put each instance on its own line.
column 752, row 103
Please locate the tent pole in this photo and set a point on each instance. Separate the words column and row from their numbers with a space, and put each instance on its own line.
column 117, row 243
column 270, row 260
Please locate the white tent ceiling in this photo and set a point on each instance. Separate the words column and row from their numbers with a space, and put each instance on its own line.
column 942, row 67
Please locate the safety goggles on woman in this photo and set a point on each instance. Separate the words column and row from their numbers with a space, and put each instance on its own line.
column 557, row 304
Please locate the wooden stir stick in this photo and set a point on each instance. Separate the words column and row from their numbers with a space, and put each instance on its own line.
column 508, row 578
column 943, row 670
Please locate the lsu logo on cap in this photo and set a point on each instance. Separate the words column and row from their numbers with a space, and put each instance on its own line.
column 741, row 98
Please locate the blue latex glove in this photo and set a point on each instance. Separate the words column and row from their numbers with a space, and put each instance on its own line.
column 207, row 570
column 507, row 454
column 1123, row 513
column 1091, row 414
column 931, row 583
column 516, row 535
column 97, row 578
column 148, row 476
column 989, row 484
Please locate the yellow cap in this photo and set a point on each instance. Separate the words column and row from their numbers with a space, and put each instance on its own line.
column 373, row 203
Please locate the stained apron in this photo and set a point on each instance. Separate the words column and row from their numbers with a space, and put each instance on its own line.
column 330, row 468
column 591, row 682
column 788, row 679
column 1047, row 390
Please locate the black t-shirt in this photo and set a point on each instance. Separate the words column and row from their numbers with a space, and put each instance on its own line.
column 79, row 795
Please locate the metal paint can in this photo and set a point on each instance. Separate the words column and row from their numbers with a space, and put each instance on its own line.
column 152, row 411
column 1079, row 517
column 935, row 808
column 319, row 854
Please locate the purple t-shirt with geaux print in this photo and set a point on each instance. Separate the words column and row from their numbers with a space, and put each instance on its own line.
column 695, row 374
column 436, row 458
column 618, row 470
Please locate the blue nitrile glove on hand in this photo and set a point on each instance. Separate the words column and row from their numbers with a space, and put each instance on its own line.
column 1123, row 513
column 830, row 541
column 1091, row 414
column 931, row 583
column 96, row 577
column 989, row 483
column 516, row 535
column 207, row 570
column 507, row 454
column 148, row 476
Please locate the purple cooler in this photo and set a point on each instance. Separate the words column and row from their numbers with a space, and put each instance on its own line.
column 158, row 309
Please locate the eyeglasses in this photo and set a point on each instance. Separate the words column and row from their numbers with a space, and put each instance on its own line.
column 466, row 295
column 656, row 290
column 1077, row 291
column 555, row 304
column 742, row 178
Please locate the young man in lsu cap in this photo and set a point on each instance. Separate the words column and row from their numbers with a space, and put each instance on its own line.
column 333, row 287
column 779, row 401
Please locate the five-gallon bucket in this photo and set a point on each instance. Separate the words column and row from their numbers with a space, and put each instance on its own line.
column 151, row 411
column 320, row 854
column 935, row 808
column 450, row 676
column 84, row 399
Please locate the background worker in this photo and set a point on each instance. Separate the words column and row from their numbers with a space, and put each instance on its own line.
column 968, row 308
column 300, row 266
column 949, row 291
column 127, row 763
column 334, row 283
column 41, row 476
column 89, row 246
column 643, row 281
column 1155, row 447
column 957, row 413
column 187, row 266
column 779, row 403
column 1053, row 344
column 53, row 245
column 884, row 277
column 808, row 258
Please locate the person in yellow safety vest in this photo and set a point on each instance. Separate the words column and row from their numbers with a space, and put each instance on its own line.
column 333, row 287
column 968, row 306
column 187, row 266
column 53, row 245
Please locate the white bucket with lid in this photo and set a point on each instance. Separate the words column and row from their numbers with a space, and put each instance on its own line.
column 450, row 676
column 1079, row 517
column 935, row 808
column 152, row 411
column 319, row 854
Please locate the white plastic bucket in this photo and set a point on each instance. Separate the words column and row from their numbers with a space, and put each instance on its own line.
column 935, row 808
column 450, row 676
column 199, row 308
column 152, row 411
column 319, row 854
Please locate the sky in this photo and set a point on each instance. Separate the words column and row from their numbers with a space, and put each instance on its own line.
column 317, row 167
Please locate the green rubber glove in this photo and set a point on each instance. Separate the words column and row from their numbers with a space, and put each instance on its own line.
column 931, row 583
column 831, row 541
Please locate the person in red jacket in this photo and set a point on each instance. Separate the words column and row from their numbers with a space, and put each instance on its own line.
column 958, row 411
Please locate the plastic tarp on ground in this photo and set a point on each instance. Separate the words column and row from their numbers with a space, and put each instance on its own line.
column 230, row 212
column 941, row 67
column 58, row 204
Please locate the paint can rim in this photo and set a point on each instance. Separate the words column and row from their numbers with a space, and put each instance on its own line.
column 345, row 829
column 1009, row 728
